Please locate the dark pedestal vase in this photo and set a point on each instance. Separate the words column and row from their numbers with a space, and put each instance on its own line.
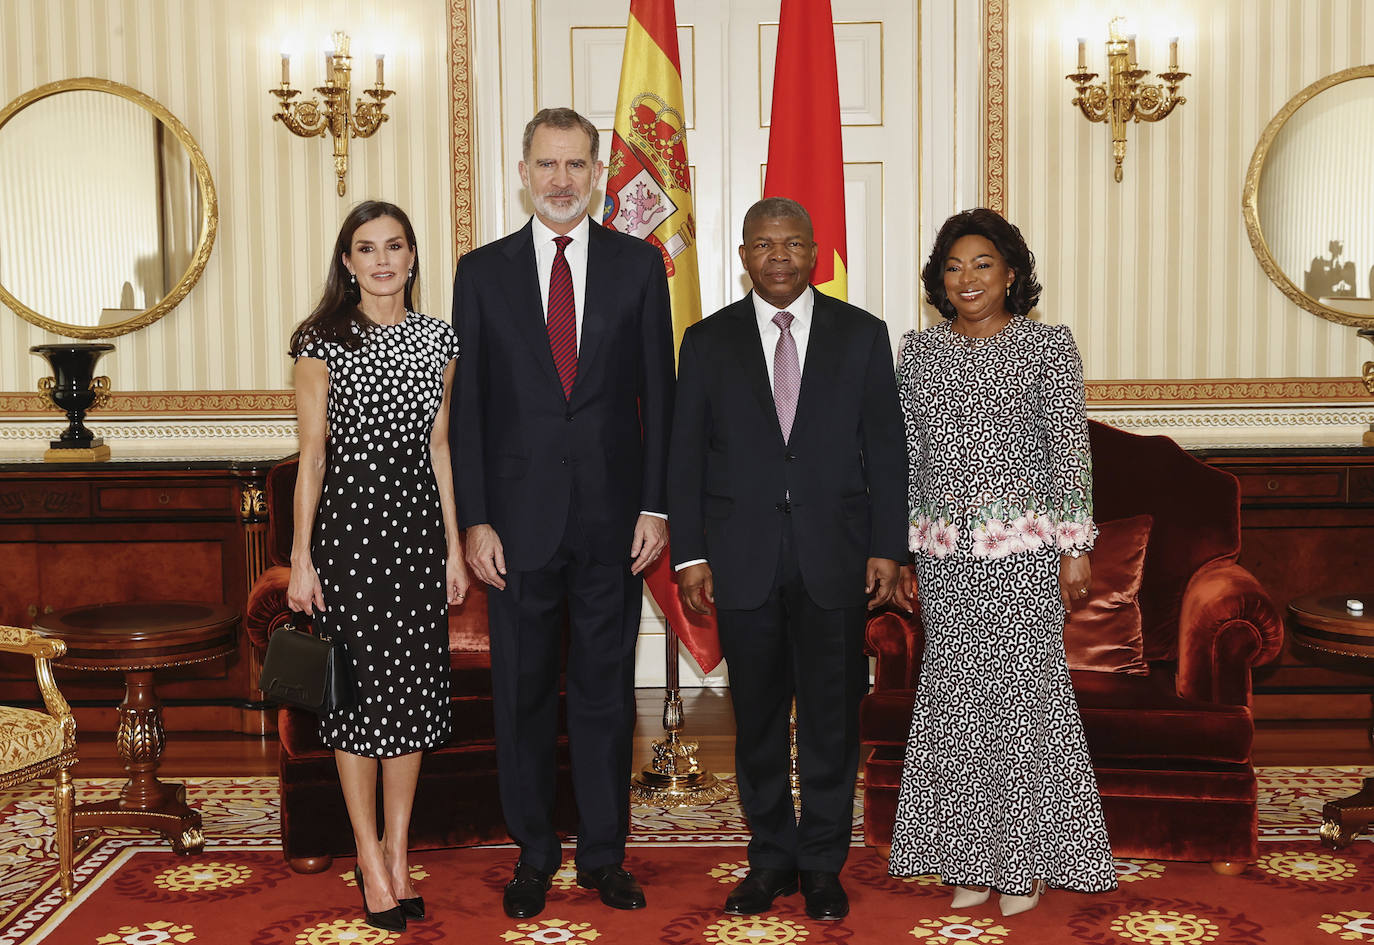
column 74, row 387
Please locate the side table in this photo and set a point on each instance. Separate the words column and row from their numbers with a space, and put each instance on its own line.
column 1325, row 631
column 137, row 638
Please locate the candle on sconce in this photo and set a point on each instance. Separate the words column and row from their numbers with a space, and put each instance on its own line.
column 380, row 57
column 1130, row 49
column 328, row 66
column 285, row 68
column 1173, row 54
column 1082, row 54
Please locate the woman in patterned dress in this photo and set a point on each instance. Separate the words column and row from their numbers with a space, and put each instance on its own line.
column 997, row 787
column 376, row 553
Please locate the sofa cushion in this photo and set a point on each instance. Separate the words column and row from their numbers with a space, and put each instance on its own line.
column 1142, row 717
column 1103, row 632
column 1125, row 718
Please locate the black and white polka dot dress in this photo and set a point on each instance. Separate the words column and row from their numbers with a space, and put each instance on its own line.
column 379, row 544
column 997, row 786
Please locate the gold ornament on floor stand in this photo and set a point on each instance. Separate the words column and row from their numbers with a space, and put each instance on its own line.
column 674, row 778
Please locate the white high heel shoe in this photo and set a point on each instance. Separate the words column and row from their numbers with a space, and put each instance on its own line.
column 1014, row 905
column 968, row 896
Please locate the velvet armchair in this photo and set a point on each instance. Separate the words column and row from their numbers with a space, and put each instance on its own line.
column 1170, row 740
column 457, row 802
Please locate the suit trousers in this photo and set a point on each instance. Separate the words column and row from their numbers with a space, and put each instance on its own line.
column 790, row 647
column 601, row 606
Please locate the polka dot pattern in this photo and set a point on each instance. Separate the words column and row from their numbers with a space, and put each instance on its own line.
column 379, row 542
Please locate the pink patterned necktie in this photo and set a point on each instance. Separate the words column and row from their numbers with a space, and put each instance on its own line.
column 562, row 319
column 786, row 374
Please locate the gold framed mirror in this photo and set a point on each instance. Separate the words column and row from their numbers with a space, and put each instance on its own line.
column 1309, row 198
column 108, row 212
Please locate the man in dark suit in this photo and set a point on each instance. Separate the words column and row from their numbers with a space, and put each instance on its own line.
column 787, row 490
column 560, row 422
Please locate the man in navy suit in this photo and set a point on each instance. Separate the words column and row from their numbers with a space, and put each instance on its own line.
column 787, row 489
column 560, row 426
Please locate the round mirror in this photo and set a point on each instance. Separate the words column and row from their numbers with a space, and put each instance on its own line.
column 107, row 210
column 1309, row 198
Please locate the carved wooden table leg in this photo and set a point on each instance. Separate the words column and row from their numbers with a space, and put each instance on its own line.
column 1343, row 820
column 144, row 802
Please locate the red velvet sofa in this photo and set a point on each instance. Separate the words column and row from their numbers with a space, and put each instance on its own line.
column 457, row 802
column 1171, row 749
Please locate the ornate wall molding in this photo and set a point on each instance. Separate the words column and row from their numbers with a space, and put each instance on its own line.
column 1234, row 390
column 995, row 104
column 460, row 126
column 151, row 431
column 172, row 403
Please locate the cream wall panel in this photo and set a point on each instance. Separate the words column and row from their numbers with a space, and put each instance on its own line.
column 211, row 64
column 1155, row 274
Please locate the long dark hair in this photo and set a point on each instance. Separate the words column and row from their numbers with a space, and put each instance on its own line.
column 336, row 316
column 992, row 226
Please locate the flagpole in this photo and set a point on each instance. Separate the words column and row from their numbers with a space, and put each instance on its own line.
column 674, row 778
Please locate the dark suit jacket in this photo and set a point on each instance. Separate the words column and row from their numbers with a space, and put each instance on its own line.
column 845, row 467
column 522, row 453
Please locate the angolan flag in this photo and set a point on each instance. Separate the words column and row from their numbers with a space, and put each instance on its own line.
column 805, row 158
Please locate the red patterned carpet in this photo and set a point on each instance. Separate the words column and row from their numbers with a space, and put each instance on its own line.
column 133, row 891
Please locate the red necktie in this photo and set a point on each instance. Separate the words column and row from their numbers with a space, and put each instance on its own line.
column 563, row 317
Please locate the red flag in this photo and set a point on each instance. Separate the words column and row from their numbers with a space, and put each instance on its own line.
column 805, row 157
column 649, row 195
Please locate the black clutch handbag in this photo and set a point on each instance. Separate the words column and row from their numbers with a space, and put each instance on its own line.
column 306, row 671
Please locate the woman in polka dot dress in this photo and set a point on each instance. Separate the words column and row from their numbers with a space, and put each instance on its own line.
column 997, row 787
column 376, row 553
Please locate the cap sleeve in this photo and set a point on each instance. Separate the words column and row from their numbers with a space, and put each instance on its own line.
column 315, row 348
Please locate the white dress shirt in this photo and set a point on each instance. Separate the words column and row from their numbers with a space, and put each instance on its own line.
column 769, row 333
column 575, row 254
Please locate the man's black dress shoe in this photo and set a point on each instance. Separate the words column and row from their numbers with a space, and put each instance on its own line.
column 524, row 896
column 388, row 920
column 825, row 897
column 618, row 888
column 756, row 892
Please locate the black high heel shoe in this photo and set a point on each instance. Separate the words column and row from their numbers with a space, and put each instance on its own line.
column 392, row 920
column 414, row 907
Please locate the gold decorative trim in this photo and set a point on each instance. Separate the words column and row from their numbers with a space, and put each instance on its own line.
column 163, row 402
column 1250, row 206
column 209, row 211
column 995, row 104
column 1278, row 390
column 460, row 126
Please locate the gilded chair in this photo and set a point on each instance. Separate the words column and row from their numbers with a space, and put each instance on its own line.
column 36, row 744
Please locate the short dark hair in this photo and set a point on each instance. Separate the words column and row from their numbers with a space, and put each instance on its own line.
column 776, row 208
column 993, row 227
column 562, row 119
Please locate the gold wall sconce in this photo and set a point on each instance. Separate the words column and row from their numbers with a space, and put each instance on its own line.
column 1122, row 97
column 338, row 117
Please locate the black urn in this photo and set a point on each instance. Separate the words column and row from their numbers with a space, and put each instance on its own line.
column 74, row 388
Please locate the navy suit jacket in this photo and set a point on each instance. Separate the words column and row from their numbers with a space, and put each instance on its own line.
column 523, row 454
column 845, row 465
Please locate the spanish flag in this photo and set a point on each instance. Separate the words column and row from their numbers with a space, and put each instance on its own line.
column 805, row 157
column 649, row 195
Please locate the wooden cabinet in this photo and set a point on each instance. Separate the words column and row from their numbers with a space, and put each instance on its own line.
column 135, row 529
column 1307, row 527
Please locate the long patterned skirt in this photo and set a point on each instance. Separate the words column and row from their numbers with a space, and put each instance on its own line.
column 997, row 787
